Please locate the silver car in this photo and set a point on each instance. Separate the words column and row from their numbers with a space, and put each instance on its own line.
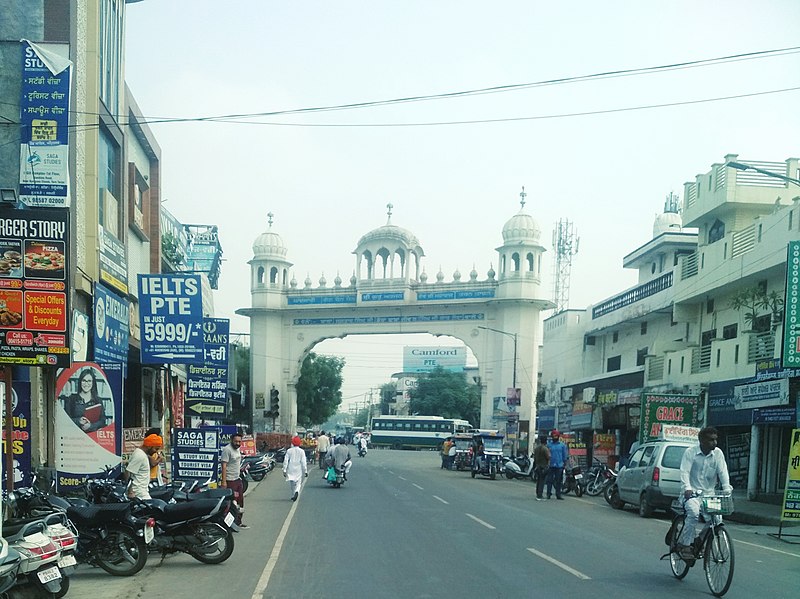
column 652, row 479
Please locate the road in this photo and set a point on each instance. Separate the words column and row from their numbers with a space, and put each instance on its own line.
column 401, row 527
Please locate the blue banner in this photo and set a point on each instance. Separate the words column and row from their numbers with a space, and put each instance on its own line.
column 195, row 454
column 44, row 126
column 171, row 319
column 21, row 435
column 111, row 327
column 299, row 300
column 207, row 385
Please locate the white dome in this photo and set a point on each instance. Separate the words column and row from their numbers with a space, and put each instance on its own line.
column 391, row 236
column 521, row 228
column 269, row 245
column 667, row 221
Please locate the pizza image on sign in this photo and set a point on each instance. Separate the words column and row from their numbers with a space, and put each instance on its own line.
column 44, row 259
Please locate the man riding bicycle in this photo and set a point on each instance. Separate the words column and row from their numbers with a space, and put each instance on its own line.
column 702, row 467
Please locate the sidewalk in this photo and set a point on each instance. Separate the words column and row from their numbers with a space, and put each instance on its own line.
column 757, row 513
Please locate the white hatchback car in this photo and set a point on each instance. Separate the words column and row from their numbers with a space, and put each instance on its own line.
column 652, row 479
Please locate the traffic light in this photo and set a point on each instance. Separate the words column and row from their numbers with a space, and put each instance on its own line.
column 275, row 403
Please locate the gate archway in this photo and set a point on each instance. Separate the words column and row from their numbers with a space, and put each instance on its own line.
column 497, row 317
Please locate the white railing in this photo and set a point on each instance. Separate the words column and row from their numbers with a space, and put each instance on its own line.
column 743, row 241
column 689, row 265
column 760, row 346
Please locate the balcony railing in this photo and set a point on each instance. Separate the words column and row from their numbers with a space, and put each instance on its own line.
column 633, row 295
column 760, row 346
column 688, row 265
column 743, row 241
column 701, row 359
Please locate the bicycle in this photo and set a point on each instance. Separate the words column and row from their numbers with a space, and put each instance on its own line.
column 713, row 545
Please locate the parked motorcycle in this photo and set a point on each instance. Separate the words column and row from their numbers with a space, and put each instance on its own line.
column 520, row 467
column 571, row 481
column 40, row 555
column 600, row 477
column 257, row 467
column 611, row 495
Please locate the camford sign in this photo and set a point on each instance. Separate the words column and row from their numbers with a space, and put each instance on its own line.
column 427, row 359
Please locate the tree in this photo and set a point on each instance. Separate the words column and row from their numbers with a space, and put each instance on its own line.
column 754, row 299
column 388, row 396
column 319, row 389
column 362, row 417
column 446, row 394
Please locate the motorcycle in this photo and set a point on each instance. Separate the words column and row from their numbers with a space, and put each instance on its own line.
column 9, row 564
column 520, row 467
column 362, row 451
column 599, row 478
column 611, row 495
column 572, row 481
column 107, row 535
column 335, row 477
column 257, row 466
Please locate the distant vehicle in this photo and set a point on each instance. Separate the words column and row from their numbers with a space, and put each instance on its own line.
column 415, row 432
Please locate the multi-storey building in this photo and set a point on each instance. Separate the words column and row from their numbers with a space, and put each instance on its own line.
column 704, row 319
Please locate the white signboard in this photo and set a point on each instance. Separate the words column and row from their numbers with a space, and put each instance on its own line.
column 427, row 358
column 761, row 395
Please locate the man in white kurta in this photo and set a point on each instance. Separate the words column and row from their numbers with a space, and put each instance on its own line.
column 295, row 467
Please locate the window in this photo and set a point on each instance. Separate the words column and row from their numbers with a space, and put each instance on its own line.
column 709, row 306
column 647, row 458
column 683, row 360
column 716, row 232
column 719, row 353
column 707, row 336
column 641, row 355
column 515, row 259
column 730, row 331
column 673, row 456
column 529, row 259
column 590, row 340
column 643, row 328
column 736, row 354
column 634, row 463
column 110, row 54
column 613, row 363
column 615, row 337
column 108, row 182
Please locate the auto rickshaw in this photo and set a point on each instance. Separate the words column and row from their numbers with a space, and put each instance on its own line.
column 463, row 459
column 487, row 449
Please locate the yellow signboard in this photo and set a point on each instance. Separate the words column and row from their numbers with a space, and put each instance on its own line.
column 791, row 495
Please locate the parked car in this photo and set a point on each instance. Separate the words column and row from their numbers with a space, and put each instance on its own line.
column 652, row 479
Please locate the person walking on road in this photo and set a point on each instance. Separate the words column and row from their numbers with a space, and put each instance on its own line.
column 541, row 461
column 231, row 459
column 559, row 454
column 702, row 467
column 295, row 467
column 323, row 445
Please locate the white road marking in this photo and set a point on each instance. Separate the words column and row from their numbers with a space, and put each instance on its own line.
column 737, row 541
column 401, row 478
column 261, row 586
column 440, row 499
column 390, row 472
column 479, row 521
column 418, row 487
column 561, row 565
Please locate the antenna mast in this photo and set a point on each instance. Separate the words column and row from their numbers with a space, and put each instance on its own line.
column 565, row 243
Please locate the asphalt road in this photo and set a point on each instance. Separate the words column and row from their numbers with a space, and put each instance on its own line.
column 401, row 527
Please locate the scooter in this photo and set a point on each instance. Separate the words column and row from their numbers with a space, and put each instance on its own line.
column 335, row 477
column 362, row 451
column 40, row 556
column 520, row 467
column 9, row 565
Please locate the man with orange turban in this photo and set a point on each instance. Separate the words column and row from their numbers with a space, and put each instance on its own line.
column 138, row 468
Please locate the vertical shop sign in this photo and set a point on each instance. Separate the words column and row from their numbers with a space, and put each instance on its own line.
column 34, row 303
column 111, row 321
column 207, row 385
column 88, row 421
column 196, row 454
column 44, row 125
column 791, row 494
column 21, row 435
column 791, row 308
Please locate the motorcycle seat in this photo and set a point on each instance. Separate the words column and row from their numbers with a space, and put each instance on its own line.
column 188, row 510
column 107, row 512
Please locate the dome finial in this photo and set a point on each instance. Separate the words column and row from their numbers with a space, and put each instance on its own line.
column 269, row 218
column 389, row 207
column 522, row 196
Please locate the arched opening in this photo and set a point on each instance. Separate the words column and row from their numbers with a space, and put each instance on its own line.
column 365, row 266
column 529, row 259
column 273, row 275
column 260, row 275
column 383, row 259
column 399, row 259
column 515, row 259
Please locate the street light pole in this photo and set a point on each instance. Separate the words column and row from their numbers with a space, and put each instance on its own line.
column 514, row 337
column 739, row 166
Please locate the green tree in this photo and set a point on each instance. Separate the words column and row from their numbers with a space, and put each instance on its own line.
column 361, row 418
column 446, row 394
column 319, row 389
column 388, row 396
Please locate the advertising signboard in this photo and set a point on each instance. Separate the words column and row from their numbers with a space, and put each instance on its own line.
column 111, row 323
column 428, row 358
column 204, row 252
column 44, row 125
column 761, row 395
column 207, row 384
column 34, row 303
column 131, row 439
column 658, row 410
column 196, row 454
column 791, row 494
column 88, row 421
column 171, row 319
column 791, row 310
column 113, row 266
column 21, row 435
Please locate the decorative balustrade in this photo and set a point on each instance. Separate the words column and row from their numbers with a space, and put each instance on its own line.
column 633, row 295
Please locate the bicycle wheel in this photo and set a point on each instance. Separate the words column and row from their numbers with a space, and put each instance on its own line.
column 679, row 566
column 718, row 561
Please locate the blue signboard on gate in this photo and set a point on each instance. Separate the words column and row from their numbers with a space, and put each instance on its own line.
column 171, row 319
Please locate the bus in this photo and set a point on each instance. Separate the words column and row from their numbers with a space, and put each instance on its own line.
column 415, row 432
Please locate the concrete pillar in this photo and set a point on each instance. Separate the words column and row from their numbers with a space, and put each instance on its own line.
column 752, row 468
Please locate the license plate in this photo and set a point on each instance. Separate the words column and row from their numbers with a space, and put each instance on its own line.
column 49, row 574
column 229, row 519
column 148, row 534
column 578, row 476
column 67, row 561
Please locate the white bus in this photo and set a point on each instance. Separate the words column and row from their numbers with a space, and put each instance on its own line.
column 415, row 432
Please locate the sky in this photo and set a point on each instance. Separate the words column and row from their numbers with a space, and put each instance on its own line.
column 590, row 151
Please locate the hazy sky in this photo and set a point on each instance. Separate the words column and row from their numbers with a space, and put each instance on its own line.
column 455, row 185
